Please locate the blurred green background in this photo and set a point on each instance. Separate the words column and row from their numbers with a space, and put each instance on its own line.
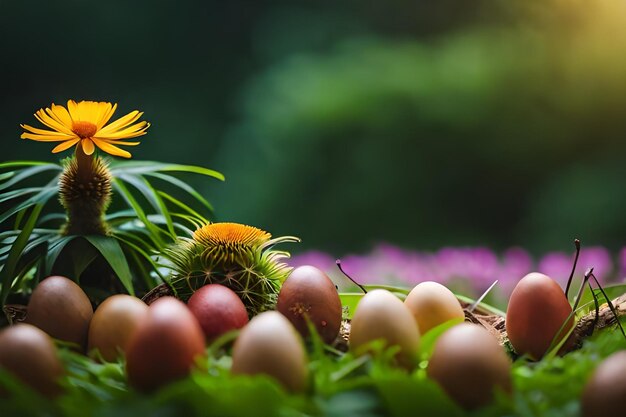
column 347, row 123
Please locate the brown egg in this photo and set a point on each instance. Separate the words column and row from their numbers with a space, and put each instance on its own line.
column 29, row 354
column 218, row 310
column 308, row 292
column 433, row 304
column 113, row 323
column 270, row 345
column 537, row 310
column 468, row 363
column 381, row 315
column 59, row 307
column 605, row 392
column 165, row 345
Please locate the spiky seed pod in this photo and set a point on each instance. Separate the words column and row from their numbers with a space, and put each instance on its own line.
column 85, row 193
column 235, row 255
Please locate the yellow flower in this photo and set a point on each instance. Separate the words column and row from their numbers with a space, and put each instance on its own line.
column 83, row 124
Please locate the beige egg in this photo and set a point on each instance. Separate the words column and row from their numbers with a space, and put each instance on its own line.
column 469, row 364
column 380, row 315
column 29, row 354
column 433, row 304
column 113, row 323
column 270, row 345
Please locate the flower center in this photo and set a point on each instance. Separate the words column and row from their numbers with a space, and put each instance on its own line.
column 84, row 129
column 230, row 235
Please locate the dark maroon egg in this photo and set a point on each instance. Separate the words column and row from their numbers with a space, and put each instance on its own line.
column 218, row 310
column 59, row 307
column 537, row 310
column 308, row 292
column 164, row 346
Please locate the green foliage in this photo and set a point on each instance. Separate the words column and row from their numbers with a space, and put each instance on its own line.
column 151, row 208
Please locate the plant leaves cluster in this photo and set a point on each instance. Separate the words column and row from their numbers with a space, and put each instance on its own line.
column 151, row 207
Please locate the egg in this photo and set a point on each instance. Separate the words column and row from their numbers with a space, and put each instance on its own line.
column 59, row 307
column 537, row 310
column 29, row 354
column 381, row 315
column 469, row 363
column 218, row 310
column 113, row 323
column 308, row 292
column 605, row 392
column 165, row 345
column 270, row 345
column 433, row 304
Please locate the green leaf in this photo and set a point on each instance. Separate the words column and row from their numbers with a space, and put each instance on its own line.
column 111, row 250
column 40, row 198
column 183, row 186
column 349, row 301
column 155, row 232
column 586, row 300
column 12, row 164
column 55, row 249
column 153, row 197
column 7, row 274
column 27, row 173
column 146, row 167
column 183, row 206
column 140, row 251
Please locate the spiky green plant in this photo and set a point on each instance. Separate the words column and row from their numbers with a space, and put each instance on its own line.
column 238, row 256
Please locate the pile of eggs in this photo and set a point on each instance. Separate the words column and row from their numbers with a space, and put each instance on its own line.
column 162, row 342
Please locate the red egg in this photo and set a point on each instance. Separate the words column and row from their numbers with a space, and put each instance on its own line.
column 165, row 345
column 537, row 310
column 218, row 310
column 309, row 293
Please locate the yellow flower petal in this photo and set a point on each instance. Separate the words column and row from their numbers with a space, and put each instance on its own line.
column 121, row 122
column 107, row 115
column 111, row 149
column 73, row 109
column 87, row 145
column 45, row 138
column 121, row 142
column 65, row 145
column 121, row 135
column 44, row 132
column 62, row 114
column 51, row 123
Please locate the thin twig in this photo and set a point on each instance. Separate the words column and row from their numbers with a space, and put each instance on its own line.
column 338, row 262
